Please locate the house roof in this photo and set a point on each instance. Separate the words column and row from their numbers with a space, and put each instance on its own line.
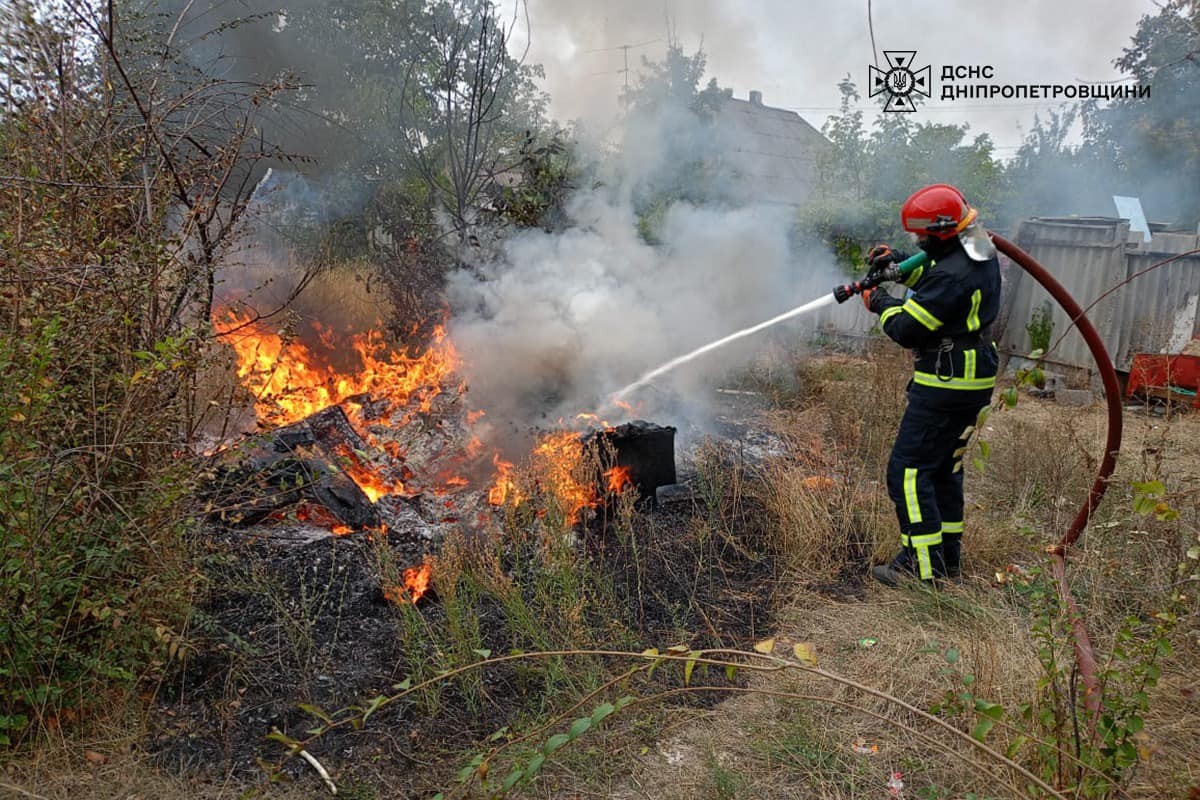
column 773, row 151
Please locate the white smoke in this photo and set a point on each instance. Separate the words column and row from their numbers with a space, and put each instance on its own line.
column 563, row 320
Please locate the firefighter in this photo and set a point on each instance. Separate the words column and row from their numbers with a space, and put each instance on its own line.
column 945, row 320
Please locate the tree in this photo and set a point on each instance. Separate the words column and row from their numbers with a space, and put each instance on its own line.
column 1154, row 142
column 867, row 177
column 120, row 186
column 1051, row 176
column 462, row 94
column 844, row 168
column 670, row 145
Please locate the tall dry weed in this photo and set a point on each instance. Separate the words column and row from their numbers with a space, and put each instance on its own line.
column 827, row 498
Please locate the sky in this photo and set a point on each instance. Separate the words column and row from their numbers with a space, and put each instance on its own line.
column 796, row 52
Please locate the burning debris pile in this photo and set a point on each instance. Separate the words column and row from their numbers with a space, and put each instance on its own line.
column 379, row 538
column 359, row 436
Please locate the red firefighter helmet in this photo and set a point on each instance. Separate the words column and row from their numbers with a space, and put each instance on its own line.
column 939, row 210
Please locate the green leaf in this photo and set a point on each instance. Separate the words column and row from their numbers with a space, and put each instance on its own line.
column 952, row 655
column 579, row 727
column 373, row 706
column 1150, row 488
column 466, row 772
column 979, row 463
column 535, row 764
column 980, row 731
column 277, row 735
column 1126, row 755
column 731, row 671
column 482, row 653
column 623, row 701
column 554, row 743
column 602, row 711
column 511, row 779
column 650, row 652
column 403, row 685
column 991, row 710
column 1036, row 354
column 315, row 711
column 1135, row 724
column 1015, row 747
column 1010, row 397
column 1144, row 505
column 689, row 666
column 985, row 449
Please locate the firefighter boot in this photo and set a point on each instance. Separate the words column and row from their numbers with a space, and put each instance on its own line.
column 952, row 555
column 908, row 565
column 901, row 568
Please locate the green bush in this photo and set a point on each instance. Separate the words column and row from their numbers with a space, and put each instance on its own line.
column 94, row 470
column 93, row 577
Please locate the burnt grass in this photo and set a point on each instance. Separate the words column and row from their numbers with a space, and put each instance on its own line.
column 286, row 624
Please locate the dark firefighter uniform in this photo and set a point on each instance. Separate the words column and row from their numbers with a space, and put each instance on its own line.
column 945, row 322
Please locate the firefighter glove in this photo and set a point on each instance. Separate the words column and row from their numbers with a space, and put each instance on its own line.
column 866, row 296
column 882, row 256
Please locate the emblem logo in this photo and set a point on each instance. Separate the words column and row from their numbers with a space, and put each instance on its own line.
column 900, row 81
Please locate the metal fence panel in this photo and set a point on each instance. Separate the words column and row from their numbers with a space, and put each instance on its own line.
column 1155, row 312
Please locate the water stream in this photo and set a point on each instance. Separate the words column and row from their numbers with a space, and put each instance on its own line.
column 647, row 378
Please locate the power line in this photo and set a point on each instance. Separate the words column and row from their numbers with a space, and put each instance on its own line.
column 624, row 48
column 621, row 47
column 1046, row 104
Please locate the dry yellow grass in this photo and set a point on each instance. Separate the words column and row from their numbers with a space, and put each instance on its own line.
column 1043, row 459
column 829, row 505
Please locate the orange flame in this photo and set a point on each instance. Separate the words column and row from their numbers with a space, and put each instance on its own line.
column 621, row 404
column 557, row 456
column 416, row 585
column 618, row 478
column 373, row 484
column 503, row 488
column 289, row 382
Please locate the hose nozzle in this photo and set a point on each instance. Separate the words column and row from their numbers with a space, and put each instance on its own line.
column 892, row 272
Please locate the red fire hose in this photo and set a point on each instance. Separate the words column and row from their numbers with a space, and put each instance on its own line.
column 1084, row 657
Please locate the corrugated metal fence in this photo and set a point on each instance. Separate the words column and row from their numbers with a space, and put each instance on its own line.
column 1154, row 313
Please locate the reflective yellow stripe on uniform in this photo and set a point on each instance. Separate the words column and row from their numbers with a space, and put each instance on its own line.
column 973, row 316
column 964, row 384
column 921, row 544
column 918, row 312
column 952, row 527
column 969, row 364
column 911, row 504
column 914, row 276
column 888, row 313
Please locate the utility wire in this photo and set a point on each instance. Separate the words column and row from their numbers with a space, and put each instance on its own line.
column 977, row 106
column 622, row 47
column 871, row 28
